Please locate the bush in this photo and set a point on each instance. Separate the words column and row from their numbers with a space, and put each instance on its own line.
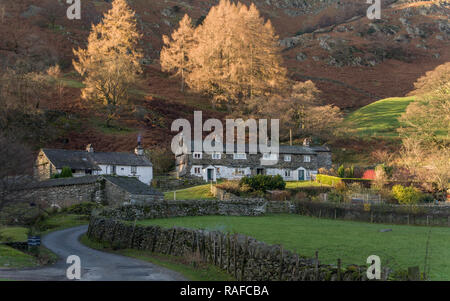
column 427, row 198
column 406, row 195
column 162, row 160
column 341, row 171
column 264, row 182
column 66, row 172
column 82, row 208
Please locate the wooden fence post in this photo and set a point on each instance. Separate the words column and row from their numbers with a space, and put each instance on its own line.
column 281, row 264
column 234, row 253
column 339, row 269
column 316, row 268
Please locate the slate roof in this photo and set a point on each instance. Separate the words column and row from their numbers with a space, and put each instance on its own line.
column 64, row 182
column 77, row 159
column 132, row 185
column 287, row 149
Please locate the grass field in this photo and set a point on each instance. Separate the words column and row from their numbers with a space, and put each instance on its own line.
column 12, row 258
column 201, row 192
column 380, row 118
column 13, row 233
column 352, row 242
column 178, row 264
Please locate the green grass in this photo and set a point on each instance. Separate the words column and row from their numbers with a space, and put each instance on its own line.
column 298, row 184
column 201, row 192
column 13, row 233
column 62, row 221
column 379, row 118
column 350, row 241
column 12, row 258
column 202, row 272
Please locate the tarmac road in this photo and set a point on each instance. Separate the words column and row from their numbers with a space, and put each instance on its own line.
column 95, row 265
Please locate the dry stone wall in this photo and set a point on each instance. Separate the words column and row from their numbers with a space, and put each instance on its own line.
column 244, row 257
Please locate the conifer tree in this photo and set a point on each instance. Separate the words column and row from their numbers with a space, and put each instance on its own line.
column 174, row 55
column 110, row 64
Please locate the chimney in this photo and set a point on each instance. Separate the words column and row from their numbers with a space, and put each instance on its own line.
column 139, row 150
column 89, row 148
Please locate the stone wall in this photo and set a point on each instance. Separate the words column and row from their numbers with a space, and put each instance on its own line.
column 59, row 192
column 66, row 192
column 172, row 183
column 244, row 257
column 178, row 208
column 425, row 215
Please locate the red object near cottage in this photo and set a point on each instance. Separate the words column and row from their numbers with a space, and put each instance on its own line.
column 369, row 174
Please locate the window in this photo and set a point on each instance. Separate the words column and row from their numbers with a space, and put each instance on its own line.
column 287, row 158
column 216, row 156
column 268, row 156
column 197, row 155
column 197, row 170
column 287, row 173
column 133, row 170
column 240, row 156
column 239, row 171
column 307, row 159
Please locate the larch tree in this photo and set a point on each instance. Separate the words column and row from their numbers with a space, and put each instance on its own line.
column 174, row 55
column 235, row 55
column 110, row 64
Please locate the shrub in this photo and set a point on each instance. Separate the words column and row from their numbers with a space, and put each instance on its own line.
column 341, row 171
column 427, row 198
column 335, row 197
column 66, row 172
column 406, row 195
column 82, row 208
column 162, row 160
column 264, row 182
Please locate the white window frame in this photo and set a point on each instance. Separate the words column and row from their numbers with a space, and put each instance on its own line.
column 197, row 155
column 240, row 156
column 287, row 158
column 270, row 156
column 287, row 173
column 239, row 171
column 134, row 170
column 197, row 168
column 306, row 158
column 216, row 156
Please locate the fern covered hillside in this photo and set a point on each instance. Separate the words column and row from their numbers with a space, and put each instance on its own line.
column 379, row 119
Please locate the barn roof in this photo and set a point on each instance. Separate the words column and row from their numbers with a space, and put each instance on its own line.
column 132, row 185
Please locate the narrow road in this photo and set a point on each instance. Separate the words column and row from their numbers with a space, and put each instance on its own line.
column 95, row 265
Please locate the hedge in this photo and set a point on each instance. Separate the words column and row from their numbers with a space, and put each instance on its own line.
column 331, row 180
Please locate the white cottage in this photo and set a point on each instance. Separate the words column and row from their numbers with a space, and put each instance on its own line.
column 89, row 162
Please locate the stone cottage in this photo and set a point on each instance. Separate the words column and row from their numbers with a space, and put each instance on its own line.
column 298, row 162
column 89, row 162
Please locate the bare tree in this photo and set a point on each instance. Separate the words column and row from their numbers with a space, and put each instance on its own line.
column 15, row 171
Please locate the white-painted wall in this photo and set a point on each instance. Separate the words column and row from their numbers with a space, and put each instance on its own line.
column 143, row 173
column 230, row 173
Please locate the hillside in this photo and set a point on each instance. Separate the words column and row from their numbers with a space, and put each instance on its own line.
column 379, row 119
column 353, row 60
